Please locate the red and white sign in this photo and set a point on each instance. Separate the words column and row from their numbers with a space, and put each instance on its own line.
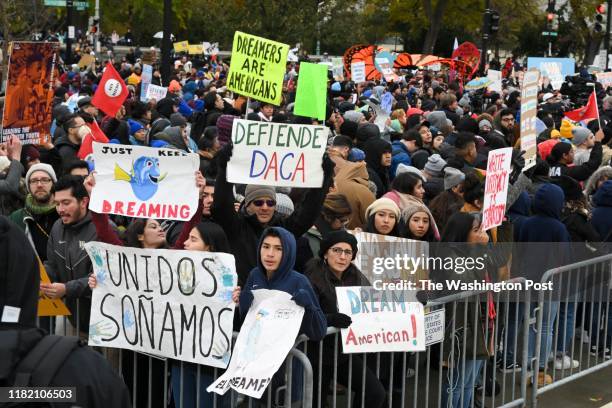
column 496, row 187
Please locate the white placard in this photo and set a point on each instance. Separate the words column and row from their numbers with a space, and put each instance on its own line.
column 496, row 187
column 358, row 73
column 169, row 303
column 496, row 78
column 156, row 92
column 434, row 327
column 144, row 182
column 267, row 335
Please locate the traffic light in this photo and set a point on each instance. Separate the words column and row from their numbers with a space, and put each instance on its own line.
column 95, row 25
column 491, row 22
column 601, row 17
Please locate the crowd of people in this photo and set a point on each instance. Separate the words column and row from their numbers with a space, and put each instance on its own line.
column 420, row 174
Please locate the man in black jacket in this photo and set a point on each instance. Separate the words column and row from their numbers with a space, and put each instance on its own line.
column 96, row 383
column 258, row 211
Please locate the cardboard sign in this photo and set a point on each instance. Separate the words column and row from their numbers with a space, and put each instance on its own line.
column 257, row 68
column 496, row 187
column 358, row 72
column 195, row 49
column 174, row 304
column 382, row 321
column 86, row 61
column 434, row 327
column 29, row 92
column 496, row 78
column 46, row 305
column 277, row 154
column 529, row 109
column 554, row 68
column 181, row 46
column 144, row 182
column 268, row 333
column 145, row 81
column 605, row 78
column 156, row 92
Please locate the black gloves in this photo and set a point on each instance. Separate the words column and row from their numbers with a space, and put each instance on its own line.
column 328, row 166
column 518, row 162
column 224, row 155
column 339, row 320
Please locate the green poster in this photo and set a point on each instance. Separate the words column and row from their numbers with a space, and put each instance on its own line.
column 311, row 96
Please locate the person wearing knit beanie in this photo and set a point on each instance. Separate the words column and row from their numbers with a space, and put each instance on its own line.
column 435, row 165
column 224, row 128
column 42, row 167
column 335, row 237
column 546, row 147
column 566, row 129
column 383, row 217
column 581, row 135
column 260, row 201
column 29, row 156
column 284, row 205
column 453, row 177
column 418, row 228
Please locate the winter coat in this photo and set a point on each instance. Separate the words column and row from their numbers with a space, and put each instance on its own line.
column 287, row 280
column 11, row 197
column 602, row 213
column 36, row 227
column 590, row 186
column 400, row 154
column 374, row 149
column 581, row 172
column 67, row 150
column 68, row 263
column 352, row 182
column 244, row 230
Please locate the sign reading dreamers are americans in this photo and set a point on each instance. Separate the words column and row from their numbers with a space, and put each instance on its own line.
column 144, row 182
column 174, row 304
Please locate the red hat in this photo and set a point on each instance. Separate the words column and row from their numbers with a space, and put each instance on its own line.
column 413, row 111
column 546, row 147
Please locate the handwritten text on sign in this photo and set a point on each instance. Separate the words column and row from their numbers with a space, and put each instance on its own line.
column 529, row 108
column 277, row 154
column 267, row 335
column 144, row 182
column 496, row 187
column 257, row 68
column 381, row 322
column 175, row 304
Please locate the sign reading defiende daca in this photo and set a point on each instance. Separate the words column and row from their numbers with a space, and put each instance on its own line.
column 257, row 67
column 277, row 154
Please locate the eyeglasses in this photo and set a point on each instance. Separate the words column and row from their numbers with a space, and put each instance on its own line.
column 41, row 181
column 260, row 203
column 340, row 251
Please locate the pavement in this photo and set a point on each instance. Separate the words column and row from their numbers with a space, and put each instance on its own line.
column 591, row 391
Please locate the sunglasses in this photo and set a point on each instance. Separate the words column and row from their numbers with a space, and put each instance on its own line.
column 260, row 203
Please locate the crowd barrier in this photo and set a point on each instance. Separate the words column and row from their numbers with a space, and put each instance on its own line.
column 520, row 338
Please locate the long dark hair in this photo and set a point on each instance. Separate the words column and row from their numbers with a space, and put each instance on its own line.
column 429, row 235
column 135, row 229
column 405, row 183
column 458, row 227
column 213, row 236
column 371, row 227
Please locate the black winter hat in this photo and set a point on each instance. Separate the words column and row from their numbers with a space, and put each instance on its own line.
column 571, row 188
column 332, row 238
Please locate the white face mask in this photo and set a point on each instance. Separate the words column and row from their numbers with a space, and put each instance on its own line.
column 84, row 131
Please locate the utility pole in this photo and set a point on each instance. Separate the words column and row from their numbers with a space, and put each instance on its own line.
column 486, row 23
column 607, row 36
column 97, row 33
column 166, row 63
column 69, row 28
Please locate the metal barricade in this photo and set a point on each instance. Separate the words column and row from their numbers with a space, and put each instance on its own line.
column 583, row 295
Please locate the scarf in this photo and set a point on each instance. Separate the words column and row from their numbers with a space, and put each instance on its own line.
column 37, row 209
column 407, row 200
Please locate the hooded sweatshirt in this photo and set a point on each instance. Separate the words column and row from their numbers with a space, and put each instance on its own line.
column 285, row 279
column 374, row 149
column 519, row 212
column 352, row 181
column 602, row 213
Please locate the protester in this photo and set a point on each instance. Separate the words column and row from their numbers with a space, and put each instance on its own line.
column 383, row 216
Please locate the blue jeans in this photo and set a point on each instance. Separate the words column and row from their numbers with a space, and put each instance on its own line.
column 567, row 324
column 516, row 311
column 189, row 390
column 550, row 310
column 471, row 369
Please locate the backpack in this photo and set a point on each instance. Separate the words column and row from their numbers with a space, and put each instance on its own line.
column 41, row 364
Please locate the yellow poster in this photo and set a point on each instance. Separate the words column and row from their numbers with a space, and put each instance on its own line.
column 257, row 68
column 46, row 305
column 195, row 49
column 181, row 46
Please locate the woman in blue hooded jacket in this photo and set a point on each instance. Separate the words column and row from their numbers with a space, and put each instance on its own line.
column 275, row 261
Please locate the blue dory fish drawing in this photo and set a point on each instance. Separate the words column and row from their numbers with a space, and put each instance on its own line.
column 144, row 177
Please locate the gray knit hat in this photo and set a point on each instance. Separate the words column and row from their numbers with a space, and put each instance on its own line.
column 484, row 123
column 580, row 135
column 253, row 192
column 452, row 177
column 353, row 116
column 435, row 165
column 284, row 205
column 40, row 167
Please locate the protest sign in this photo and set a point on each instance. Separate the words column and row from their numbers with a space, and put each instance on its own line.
column 358, row 72
column 381, row 115
column 174, row 304
column 257, row 68
column 311, row 95
column 434, row 327
column 605, row 78
column 156, row 92
column 373, row 247
column 195, row 49
column 86, row 61
column 554, row 68
column 386, row 68
column 382, row 321
column 277, row 154
column 145, row 78
column 144, row 182
column 29, row 92
column 267, row 335
column 529, row 109
column 496, row 78
column 210, row 48
column 149, row 57
column 181, row 46
column 496, row 187
column 337, row 68
column 46, row 305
